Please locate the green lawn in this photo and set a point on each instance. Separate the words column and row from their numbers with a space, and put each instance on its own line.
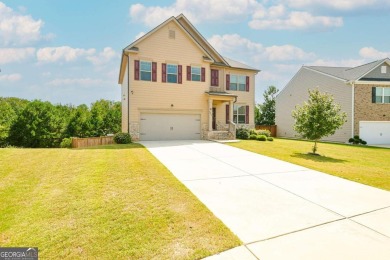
column 111, row 202
column 367, row 165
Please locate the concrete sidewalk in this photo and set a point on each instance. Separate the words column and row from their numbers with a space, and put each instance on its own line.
column 280, row 210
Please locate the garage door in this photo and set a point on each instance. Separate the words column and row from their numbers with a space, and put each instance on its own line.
column 374, row 132
column 169, row 127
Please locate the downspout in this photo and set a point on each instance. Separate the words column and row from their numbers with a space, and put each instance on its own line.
column 128, row 93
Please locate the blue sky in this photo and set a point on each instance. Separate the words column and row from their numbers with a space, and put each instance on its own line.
column 69, row 51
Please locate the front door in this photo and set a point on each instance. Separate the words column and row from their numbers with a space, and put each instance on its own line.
column 214, row 118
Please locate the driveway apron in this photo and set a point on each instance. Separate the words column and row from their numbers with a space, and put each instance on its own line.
column 280, row 210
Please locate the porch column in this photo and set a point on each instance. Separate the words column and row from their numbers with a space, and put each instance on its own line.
column 231, row 110
column 210, row 114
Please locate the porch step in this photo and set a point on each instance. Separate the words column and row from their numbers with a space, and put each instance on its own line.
column 220, row 135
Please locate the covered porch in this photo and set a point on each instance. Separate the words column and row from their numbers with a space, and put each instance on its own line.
column 220, row 116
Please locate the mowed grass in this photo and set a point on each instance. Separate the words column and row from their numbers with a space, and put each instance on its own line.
column 111, row 202
column 367, row 165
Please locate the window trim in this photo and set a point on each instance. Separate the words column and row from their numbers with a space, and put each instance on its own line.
column 238, row 83
column 200, row 73
column 140, row 69
column 382, row 101
column 176, row 74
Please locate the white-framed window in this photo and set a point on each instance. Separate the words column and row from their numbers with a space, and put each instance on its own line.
column 239, row 114
column 195, row 73
column 146, row 70
column 172, row 73
column 382, row 95
column 238, row 82
column 383, row 69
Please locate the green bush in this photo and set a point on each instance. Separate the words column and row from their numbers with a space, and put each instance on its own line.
column 253, row 137
column 242, row 133
column 356, row 140
column 270, row 139
column 265, row 132
column 122, row 138
column 66, row 143
column 252, row 132
column 261, row 138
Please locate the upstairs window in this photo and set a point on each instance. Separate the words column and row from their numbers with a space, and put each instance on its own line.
column 195, row 73
column 237, row 82
column 171, row 73
column 381, row 95
column 146, row 70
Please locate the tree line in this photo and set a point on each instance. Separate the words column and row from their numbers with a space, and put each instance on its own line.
column 39, row 123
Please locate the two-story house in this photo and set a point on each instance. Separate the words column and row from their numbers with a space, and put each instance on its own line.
column 363, row 93
column 175, row 85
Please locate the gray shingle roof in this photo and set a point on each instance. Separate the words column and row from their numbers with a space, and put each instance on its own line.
column 349, row 73
column 236, row 64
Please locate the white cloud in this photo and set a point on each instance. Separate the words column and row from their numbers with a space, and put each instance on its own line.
column 10, row 77
column 342, row 5
column 235, row 45
column 18, row 29
column 195, row 10
column 9, row 55
column 103, row 57
column 76, row 81
column 63, row 53
column 373, row 54
column 280, row 20
column 287, row 52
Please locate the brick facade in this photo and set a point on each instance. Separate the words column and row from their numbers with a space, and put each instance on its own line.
column 365, row 110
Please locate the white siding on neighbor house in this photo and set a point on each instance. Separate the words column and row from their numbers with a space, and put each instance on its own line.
column 296, row 93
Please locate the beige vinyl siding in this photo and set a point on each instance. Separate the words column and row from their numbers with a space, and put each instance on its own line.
column 124, row 98
column 188, row 97
column 296, row 92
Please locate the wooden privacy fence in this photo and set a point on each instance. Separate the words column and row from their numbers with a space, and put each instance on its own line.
column 271, row 128
column 91, row 141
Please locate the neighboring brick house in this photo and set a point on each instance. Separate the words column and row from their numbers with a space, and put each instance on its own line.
column 363, row 93
column 175, row 85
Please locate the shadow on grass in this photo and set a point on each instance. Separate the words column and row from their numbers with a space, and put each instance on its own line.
column 316, row 158
column 112, row 147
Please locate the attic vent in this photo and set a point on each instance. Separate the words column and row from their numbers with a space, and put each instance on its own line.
column 383, row 69
column 171, row 34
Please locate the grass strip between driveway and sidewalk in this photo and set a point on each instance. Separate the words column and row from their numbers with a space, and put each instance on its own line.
column 108, row 202
column 364, row 164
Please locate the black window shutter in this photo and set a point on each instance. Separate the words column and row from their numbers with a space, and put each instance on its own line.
column 373, row 94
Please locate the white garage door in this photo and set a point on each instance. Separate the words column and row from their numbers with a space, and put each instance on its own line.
column 169, row 127
column 375, row 132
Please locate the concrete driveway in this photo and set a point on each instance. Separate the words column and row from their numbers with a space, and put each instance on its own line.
column 280, row 210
